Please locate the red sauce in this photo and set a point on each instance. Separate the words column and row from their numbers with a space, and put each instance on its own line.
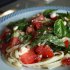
column 66, row 61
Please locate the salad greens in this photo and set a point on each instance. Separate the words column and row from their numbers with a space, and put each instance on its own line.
column 59, row 28
column 36, row 32
column 22, row 24
column 47, row 13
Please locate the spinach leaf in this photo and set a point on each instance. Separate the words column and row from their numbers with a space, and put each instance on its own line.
column 40, row 39
column 48, row 38
column 25, row 38
column 58, row 48
column 46, row 13
column 22, row 24
column 59, row 28
column 55, row 40
column 63, row 15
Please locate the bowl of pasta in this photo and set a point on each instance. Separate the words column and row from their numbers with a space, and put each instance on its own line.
column 36, row 38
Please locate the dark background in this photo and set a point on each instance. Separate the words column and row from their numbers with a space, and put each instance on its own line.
column 19, row 4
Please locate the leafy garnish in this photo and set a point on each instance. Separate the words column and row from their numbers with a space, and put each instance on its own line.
column 47, row 13
column 22, row 24
column 63, row 15
column 55, row 40
column 48, row 38
column 25, row 38
column 60, row 28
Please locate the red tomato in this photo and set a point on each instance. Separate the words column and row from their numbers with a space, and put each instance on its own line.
column 30, row 29
column 5, row 33
column 37, row 25
column 66, row 43
column 38, row 18
column 38, row 58
column 66, row 61
column 45, row 51
column 29, row 57
column 14, row 41
column 37, row 21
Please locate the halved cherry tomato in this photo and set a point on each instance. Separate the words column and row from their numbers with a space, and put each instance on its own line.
column 29, row 57
column 37, row 21
column 66, row 43
column 37, row 25
column 66, row 61
column 45, row 51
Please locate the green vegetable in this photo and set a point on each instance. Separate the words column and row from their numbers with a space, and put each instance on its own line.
column 25, row 38
column 40, row 39
column 58, row 48
column 48, row 38
column 55, row 40
column 63, row 15
column 1, row 41
column 46, row 13
column 59, row 28
column 68, row 31
column 22, row 24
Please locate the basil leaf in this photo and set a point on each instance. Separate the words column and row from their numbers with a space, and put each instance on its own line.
column 46, row 13
column 55, row 40
column 48, row 38
column 63, row 15
column 68, row 30
column 22, row 24
column 59, row 28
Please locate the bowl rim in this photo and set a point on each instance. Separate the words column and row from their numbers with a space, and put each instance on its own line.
column 2, row 19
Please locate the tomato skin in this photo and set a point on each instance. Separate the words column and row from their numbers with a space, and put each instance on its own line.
column 48, row 52
column 14, row 41
column 36, row 22
column 38, row 58
column 37, row 25
column 5, row 33
column 45, row 51
column 66, row 61
column 66, row 43
column 29, row 57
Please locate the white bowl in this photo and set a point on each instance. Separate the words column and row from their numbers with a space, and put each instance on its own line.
column 26, row 13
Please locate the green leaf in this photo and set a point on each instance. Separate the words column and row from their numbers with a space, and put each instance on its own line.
column 22, row 24
column 59, row 28
column 63, row 15
column 25, row 38
column 55, row 40
column 48, row 38
column 46, row 13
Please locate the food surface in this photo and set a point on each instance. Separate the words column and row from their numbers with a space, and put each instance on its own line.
column 41, row 41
